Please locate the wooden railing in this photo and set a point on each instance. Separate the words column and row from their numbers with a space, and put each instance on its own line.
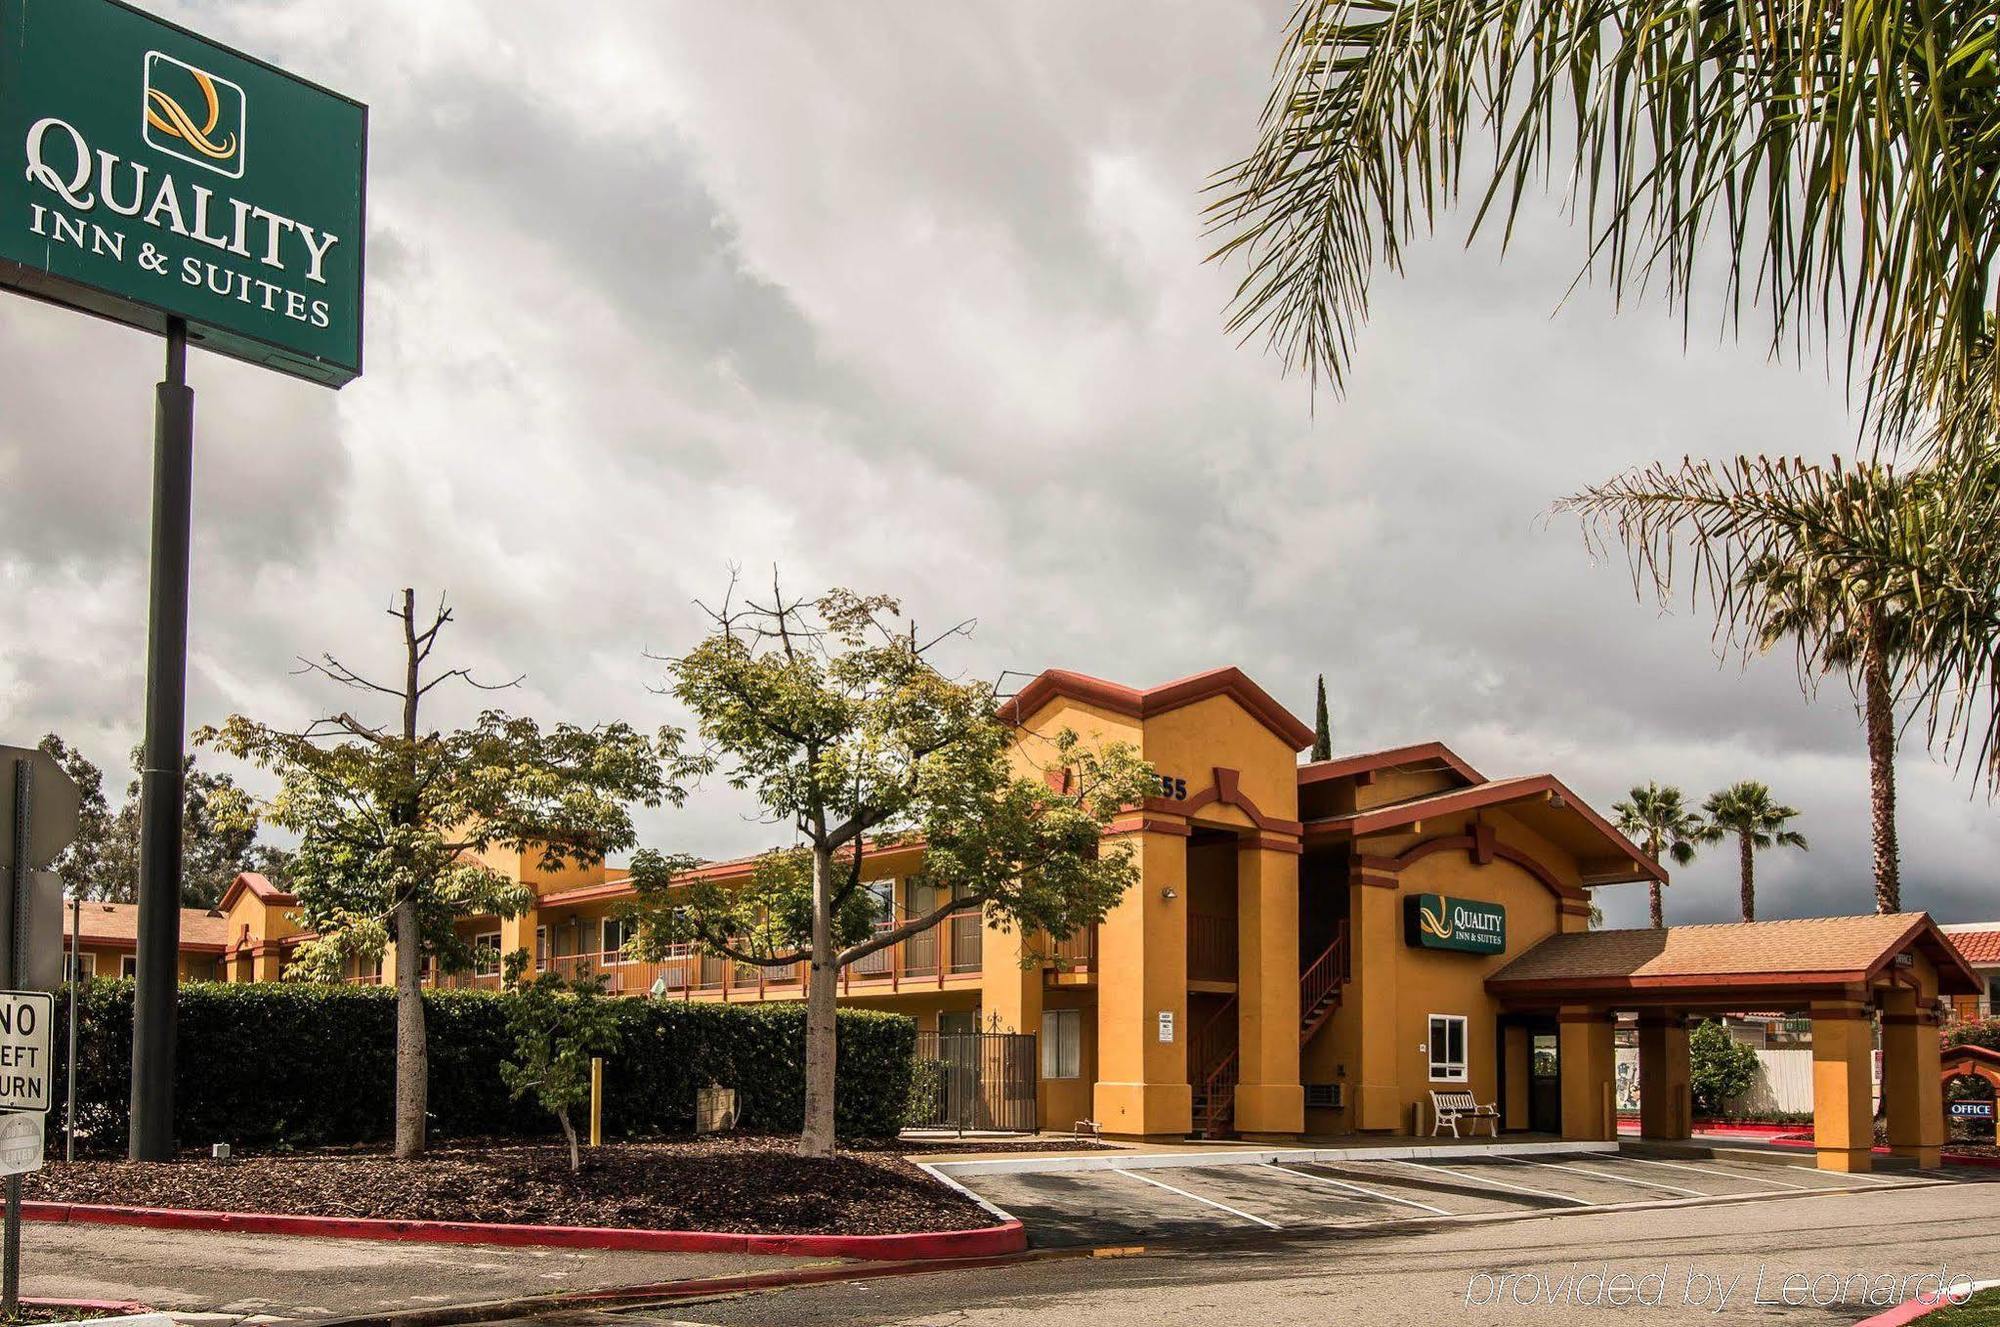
column 924, row 959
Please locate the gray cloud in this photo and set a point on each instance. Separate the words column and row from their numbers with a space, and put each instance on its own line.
column 917, row 302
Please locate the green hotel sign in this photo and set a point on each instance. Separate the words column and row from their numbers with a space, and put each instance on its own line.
column 148, row 173
column 1434, row 921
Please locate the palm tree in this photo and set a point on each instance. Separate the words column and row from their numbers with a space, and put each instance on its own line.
column 1746, row 810
column 1846, row 625
column 1665, row 823
column 1833, row 161
column 1890, row 578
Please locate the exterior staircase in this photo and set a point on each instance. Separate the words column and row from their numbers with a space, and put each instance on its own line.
column 1214, row 1049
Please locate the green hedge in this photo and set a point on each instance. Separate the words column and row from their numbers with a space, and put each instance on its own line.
column 264, row 1065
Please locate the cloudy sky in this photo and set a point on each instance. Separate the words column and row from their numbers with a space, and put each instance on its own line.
column 911, row 297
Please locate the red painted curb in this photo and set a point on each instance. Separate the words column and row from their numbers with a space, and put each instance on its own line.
column 87, row 1305
column 1906, row 1312
column 986, row 1241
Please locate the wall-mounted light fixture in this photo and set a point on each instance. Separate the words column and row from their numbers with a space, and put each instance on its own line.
column 1168, row 893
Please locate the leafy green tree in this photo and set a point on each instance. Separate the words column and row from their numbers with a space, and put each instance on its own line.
column 1658, row 818
column 558, row 1026
column 1720, row 1067
column 1974, row 1032
column 1746, row 810
column 1322, row 724
column 849, row 736
column 392, row 821
column 1830, row 163
column 81, row 863
column 219, row 835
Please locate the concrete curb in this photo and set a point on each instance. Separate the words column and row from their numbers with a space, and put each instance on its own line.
column 99, row 1306
column 987, row 1241
column 1031, row 1165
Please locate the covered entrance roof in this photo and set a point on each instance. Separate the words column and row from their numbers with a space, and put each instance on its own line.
column 1723, row 966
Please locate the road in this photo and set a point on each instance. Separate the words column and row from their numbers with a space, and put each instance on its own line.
column 1707, row 1261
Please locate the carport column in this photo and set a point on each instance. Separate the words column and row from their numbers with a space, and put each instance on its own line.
column 1142, row 1081
column 1843, row 1118
column 1374, row 938
column 1666, row 1082
column 1912, row 1078
column 1588, row 1061
column 1269, row 1097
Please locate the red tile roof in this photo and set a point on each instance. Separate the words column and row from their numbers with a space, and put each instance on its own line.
column 118, row 924
column 1980, row 944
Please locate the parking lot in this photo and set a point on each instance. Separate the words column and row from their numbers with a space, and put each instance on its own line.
column 1111, row 1202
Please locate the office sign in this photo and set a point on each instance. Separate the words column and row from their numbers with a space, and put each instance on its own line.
column 146, row 171
column 26, row 1020
column 1970, row 1110
column 1434, row 921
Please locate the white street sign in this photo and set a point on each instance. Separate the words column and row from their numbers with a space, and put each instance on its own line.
column 20, row 1143
column 1166, row 1025
column 26, row 1020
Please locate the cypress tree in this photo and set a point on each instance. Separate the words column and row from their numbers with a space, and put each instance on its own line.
column 1322, row 726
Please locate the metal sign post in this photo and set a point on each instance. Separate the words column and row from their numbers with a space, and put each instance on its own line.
column 163, row 776
column 244, row 233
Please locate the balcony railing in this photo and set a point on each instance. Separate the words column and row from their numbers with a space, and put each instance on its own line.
column 926, row 959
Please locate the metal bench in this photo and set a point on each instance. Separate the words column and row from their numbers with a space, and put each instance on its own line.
column 1448, row 1108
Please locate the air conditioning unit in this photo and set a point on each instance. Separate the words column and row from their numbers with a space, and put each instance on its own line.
column 1326, row 1096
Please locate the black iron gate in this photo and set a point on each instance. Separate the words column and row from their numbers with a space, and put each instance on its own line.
column 974, row 1080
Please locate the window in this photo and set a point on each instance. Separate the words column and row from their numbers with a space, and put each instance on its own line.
column 486, row 953
column 1447, row 1048
column 128, row 966
column 1062, row 1043
column 616, row 934
column 86, row 966
column 541, row 949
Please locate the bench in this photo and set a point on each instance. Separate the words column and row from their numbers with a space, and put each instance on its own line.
column 1448, row 1108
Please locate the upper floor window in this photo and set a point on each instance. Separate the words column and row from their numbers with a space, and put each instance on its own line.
column 1447, row 1048
column 616, row 934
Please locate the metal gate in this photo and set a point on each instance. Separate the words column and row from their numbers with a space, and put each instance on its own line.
column 974, row 1080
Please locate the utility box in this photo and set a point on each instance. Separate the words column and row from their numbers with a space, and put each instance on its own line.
column 714, row 1109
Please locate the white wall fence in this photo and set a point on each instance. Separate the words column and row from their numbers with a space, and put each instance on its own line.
column 1783, row 1083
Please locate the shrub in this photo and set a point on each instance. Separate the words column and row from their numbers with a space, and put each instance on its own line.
column 1974, row 1032
column 558, row 1027
column 1721, row 1067
column 293, row 1065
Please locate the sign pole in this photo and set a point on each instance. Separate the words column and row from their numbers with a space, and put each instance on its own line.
column 163, row 775
column 12, row 961
column 75, row 972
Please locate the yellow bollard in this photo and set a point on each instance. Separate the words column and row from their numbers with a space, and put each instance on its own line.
column 596, row 1100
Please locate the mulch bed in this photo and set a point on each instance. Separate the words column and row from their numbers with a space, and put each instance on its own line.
column 738, row 1184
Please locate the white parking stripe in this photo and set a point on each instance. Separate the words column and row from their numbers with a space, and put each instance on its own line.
column 1343, row 1184
column 1498, row 1184
column 1615, row 1179
column 1727, row 1175
column 1233, row 1211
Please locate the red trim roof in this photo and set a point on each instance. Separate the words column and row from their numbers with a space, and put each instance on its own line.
column 265, row 891
column 1346, row 767
column 1396, row 815
column 1168, row 696
column 117, row 925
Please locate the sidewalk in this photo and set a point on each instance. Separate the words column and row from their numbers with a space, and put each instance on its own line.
column 278, row 1276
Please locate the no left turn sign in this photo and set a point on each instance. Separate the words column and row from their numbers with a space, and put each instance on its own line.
column 26, row 1018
